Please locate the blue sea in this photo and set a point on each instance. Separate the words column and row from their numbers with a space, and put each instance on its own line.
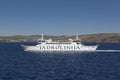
column 16, row 64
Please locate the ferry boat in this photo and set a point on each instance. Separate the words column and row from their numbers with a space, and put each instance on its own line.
column 49, row 45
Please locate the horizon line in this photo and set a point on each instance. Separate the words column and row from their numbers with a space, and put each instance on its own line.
column 53, row 35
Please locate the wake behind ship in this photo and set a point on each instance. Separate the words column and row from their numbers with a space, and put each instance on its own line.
column 49, row 45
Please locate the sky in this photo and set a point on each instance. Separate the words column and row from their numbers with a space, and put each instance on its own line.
column 59, row 17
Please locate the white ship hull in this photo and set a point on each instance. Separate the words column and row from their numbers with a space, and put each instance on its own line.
column 40, row 47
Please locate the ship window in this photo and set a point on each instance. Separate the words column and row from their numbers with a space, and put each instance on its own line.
column 78, row 43
column 58, row 43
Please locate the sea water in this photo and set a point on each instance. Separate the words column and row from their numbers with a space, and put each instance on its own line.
column 17, row 64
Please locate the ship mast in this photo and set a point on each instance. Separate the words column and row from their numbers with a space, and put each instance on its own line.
column 42, row 38
column 76, row 36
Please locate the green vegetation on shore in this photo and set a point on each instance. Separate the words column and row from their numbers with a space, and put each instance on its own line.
column 103, row 37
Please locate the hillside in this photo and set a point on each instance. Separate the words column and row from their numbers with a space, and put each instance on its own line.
column 103, row 37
